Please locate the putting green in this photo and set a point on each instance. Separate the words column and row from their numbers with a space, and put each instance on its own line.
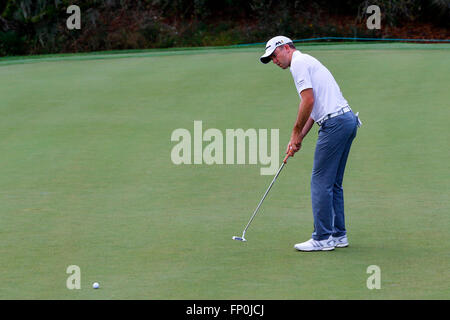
column 87, row 177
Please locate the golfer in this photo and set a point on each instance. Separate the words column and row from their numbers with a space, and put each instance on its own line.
column 322, row 102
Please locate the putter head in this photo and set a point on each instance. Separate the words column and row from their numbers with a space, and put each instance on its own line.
column 239, row 238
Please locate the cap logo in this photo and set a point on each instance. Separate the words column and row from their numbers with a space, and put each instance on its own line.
column 268, row 46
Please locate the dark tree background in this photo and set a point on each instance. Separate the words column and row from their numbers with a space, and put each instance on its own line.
column 39, row 26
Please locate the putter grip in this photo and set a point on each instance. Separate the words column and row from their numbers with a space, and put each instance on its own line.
column 285, row 158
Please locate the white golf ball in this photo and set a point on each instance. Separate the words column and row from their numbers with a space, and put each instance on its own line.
column 95, row 285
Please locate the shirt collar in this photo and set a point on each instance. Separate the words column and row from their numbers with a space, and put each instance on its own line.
column 295, row 54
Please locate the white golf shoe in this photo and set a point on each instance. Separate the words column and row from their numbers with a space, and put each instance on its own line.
column 316, row 245
column 341, row 242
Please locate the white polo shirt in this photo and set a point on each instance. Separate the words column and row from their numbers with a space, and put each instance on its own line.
column 308, row 72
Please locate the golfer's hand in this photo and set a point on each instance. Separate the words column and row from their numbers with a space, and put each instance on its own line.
column 293, row 146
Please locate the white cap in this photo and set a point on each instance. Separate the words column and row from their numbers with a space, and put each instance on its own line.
column 271, row 45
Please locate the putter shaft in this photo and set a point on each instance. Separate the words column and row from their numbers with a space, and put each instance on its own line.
column 265, row 194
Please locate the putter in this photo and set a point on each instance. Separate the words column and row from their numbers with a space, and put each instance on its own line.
column 242, row 238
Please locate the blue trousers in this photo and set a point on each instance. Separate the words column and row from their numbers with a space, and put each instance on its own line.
column 327, row 195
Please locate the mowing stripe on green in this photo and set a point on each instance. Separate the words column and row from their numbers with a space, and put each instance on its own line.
column 208, row 50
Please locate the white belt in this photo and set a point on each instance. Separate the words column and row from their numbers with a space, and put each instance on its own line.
column 334, row 114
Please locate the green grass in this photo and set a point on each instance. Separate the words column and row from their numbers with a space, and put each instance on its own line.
column 87, row 179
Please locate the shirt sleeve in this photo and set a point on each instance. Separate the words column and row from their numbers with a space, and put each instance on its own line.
column 302, row 77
